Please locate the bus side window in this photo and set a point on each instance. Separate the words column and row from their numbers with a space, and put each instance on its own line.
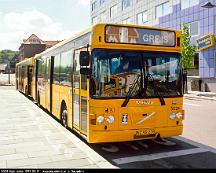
column 56, row 69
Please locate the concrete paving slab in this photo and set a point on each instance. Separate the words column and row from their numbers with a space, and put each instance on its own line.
column 67, row 164
column 8, row 151
column 13, row 156
column 90, row 167
column 8, row 142
column 31, row 149
column 3, row 164
column 27, row 162
column 33, row 139
column 70, row 156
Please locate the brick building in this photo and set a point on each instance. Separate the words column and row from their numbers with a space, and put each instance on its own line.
column 34, row 45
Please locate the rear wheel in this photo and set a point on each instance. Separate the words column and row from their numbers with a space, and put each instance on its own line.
column 64, row 116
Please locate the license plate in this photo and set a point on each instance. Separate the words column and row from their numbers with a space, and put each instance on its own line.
column 144, row 133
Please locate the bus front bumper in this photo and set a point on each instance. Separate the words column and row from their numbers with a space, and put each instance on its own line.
column 130, row 135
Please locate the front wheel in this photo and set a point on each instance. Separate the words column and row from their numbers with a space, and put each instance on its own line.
column 64, row 117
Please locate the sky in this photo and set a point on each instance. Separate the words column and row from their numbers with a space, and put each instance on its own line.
column 48, row 19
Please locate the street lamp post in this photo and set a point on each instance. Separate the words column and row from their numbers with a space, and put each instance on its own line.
column 8, row 71
column 8, row 68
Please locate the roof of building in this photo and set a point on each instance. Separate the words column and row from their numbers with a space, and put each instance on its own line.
column 33, row 39
column 51, row 43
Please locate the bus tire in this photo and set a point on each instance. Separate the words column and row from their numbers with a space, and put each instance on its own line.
column 64, row 115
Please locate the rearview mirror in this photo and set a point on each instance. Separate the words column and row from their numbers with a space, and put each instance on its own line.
column 84, row 58
column 85, row 71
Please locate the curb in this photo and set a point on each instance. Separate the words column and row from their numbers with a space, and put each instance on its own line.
column 199, row 97
column 94, row 156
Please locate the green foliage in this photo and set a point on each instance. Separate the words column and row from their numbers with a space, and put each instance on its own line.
column 188, row 50
column 7, row 54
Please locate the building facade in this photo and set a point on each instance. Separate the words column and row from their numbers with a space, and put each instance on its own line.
column 168, row 14
column 34, row 45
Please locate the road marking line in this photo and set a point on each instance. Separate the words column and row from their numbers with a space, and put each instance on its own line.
column 191, row 104
column 158, row 156
column 142, row 144
column 164, row 142
column 197, row 144
column 131, row 146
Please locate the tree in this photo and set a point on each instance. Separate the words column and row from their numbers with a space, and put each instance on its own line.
column 6, row 55
column 188, row 50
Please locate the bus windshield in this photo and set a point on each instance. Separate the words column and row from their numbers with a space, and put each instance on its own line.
column 115, row 72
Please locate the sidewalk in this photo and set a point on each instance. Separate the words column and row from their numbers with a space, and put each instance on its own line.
column 201, row 95
column 4, row 79
column 29, row 138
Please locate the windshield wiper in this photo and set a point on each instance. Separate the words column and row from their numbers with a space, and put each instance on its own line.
column 130, row 91
column 156, row 90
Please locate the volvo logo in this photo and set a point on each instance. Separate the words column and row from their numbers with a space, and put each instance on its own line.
column 144, row 102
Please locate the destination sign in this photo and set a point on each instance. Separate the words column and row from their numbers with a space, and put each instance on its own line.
column 145, row 36
column 205, row 42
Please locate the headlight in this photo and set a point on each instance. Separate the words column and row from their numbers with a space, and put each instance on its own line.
column 172, row 116
column 100, row 119
column 110, row 119
column 179, row 115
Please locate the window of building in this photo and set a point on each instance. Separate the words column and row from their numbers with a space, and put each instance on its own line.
column 126, row 4
column 103, row 16
column 188, row 3
column 142, row 17
column 127, row 21
column 215, row 24
column 194, row 28
column 102, row 1
column 95, row 20
column 196, row 61
column 113, row 11
column 163, row 9
column 93, row 6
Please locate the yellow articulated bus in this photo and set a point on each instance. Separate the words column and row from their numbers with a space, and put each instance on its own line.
column 24, row 75
column 114, row 83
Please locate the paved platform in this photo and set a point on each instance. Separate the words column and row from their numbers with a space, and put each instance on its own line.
column 30, row 138
column 201, row 95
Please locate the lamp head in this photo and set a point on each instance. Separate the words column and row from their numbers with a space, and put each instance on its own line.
column 208, row 5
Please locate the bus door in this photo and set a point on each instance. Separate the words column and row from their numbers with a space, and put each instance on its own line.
column 48, row 84
column 36, row 80
column 29, row 80
column 79, row 96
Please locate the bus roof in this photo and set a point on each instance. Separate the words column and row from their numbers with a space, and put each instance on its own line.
column 102, row 25
column 27, row 61
column 65, row 41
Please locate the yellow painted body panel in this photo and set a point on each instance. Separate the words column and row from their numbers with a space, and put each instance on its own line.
column 62, row 93
column 157, row 117
column 22, row 79
column 128, row 135
column 33, row 94
column 98, row 31
column 150, row 115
